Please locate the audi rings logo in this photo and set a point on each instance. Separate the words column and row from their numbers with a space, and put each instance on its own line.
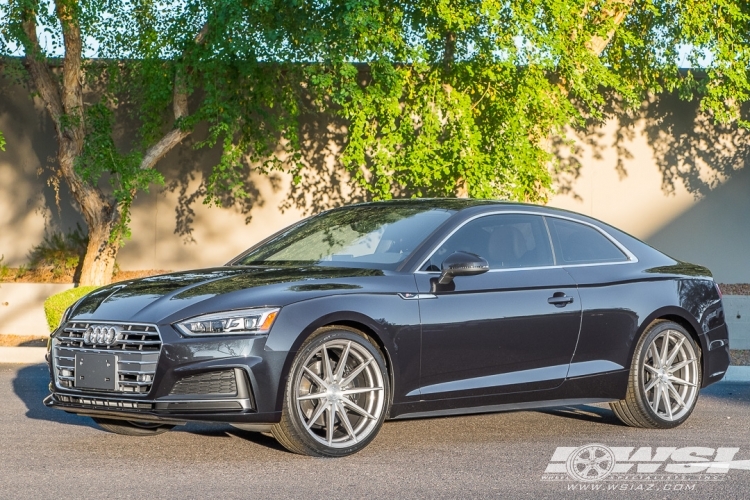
column 101, row 335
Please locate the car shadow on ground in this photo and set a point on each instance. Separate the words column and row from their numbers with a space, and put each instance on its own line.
column 587, row 413
column 31, row 385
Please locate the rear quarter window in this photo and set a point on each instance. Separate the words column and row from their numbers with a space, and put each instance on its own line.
column 576, row 243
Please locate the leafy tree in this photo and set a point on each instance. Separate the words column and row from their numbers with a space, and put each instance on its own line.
column 439, row 97
column 150, row 59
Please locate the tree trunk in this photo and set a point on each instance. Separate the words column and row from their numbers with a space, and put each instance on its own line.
column 101, row 215
column 63, row 98
column 99, row 262
column 461, row 190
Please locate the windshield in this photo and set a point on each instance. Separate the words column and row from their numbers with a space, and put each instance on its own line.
column 369, row 236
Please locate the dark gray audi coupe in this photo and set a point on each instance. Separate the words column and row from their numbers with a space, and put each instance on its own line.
column 400, row 309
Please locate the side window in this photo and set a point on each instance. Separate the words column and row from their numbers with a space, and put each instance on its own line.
column 581, row 244
column 506, row 241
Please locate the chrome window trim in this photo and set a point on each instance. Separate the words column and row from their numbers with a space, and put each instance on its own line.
column 631, row 258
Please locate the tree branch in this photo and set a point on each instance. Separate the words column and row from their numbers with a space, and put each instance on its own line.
column 72, row 88
column 39, row 70
column 161, row 148
column 59, row 102
column 617, row 13
column 180, row 110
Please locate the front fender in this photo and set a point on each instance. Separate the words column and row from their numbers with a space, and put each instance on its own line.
column 393, row 321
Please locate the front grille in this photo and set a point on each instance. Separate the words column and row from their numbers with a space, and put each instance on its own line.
column 137, row 352
column 218, row 382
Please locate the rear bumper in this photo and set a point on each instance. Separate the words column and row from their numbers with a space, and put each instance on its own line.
column 715, row 355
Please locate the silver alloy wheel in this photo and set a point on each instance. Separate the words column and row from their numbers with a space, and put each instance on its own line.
column 339, row 393
column 145, row 425
column 670, row 375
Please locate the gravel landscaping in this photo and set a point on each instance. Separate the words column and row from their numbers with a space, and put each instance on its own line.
column 22, row 341
column 736, row 289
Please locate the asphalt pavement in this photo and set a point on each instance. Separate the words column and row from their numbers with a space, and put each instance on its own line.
column 51, row 454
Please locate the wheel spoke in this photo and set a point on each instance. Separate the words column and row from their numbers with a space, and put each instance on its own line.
column 329, row 427
column 315, row 378
column 357, row 408
column 655, row 355
column 680, row 381
column 342, row 362
column 360, row 390
column 327, row 370
column 651, row 384
column 664, row 350
column 355, row 372
column 680, row 365
column 667, row 401
column 318, row 412
column 676, row 395
column 675, row 351
column 651, row 369
column 657, row 400
column 345, row 420
column 307, row 397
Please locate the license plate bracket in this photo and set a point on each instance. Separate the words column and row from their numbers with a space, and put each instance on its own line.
column 96, row 371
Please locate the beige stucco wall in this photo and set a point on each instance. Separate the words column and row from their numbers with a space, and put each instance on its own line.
column 664, row 174
column 671, row 178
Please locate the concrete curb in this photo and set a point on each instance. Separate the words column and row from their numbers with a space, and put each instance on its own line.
column 23, row 355
column 737, row 374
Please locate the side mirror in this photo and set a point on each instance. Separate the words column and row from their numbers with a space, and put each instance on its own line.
column 462, row 264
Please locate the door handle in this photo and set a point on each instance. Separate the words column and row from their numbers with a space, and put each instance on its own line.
column 559, row 299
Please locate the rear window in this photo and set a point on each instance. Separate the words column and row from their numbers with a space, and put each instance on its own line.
column 576, row 243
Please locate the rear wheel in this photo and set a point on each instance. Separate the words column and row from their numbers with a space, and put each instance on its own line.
column 665, row 378
column 132, row 428
column 336, row 395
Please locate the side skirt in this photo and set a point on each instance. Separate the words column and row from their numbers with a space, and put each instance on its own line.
column 530, row 405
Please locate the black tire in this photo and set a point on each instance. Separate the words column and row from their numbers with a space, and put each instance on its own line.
column 676, row 400
column 128, row 428
column 293, row 432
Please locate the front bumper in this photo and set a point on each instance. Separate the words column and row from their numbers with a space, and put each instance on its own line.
column 252, row 399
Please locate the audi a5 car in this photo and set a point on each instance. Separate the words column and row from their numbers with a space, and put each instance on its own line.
column 391, row 310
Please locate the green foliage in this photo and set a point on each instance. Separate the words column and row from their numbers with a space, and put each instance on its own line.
column 61, row 252
column 2, row 142
column 434, row 94
column 21, row 271
column 4, row 270
column 100, row 156
column 55, row 306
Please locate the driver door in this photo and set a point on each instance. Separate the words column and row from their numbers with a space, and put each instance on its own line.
column 498, row 332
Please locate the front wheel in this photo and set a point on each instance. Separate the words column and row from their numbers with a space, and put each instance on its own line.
column 665, row 378
column 128, row 428
column 336, row 395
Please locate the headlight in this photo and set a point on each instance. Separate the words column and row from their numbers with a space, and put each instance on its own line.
column 244, row 321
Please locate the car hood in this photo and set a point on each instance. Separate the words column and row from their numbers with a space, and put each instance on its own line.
column 172, row 297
